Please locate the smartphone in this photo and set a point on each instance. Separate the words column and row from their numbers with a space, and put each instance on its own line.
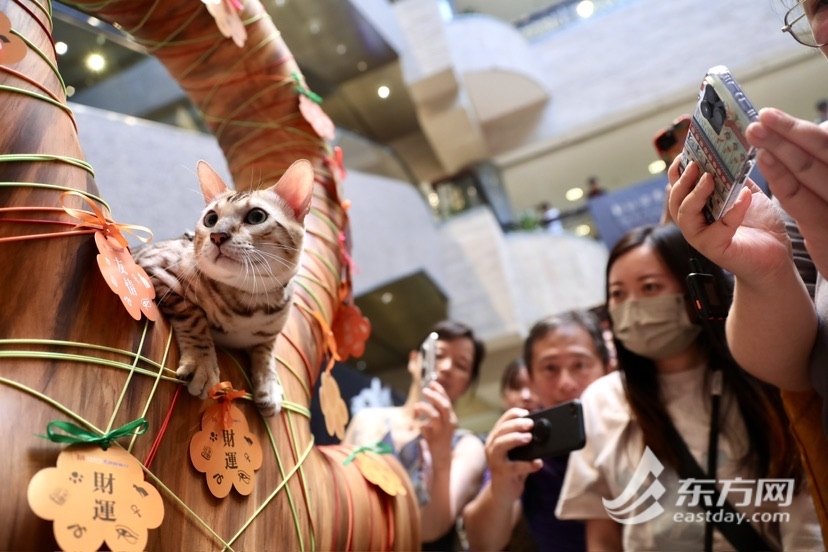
column 716, row 139
column 428, row 352
column 558, row 430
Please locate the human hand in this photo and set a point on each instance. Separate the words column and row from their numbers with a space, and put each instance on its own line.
column 749, row 240
column 793, row 157
column 512, row 430
column 439, row 421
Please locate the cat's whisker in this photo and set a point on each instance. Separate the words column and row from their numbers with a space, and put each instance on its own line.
column 282, row 247
column 287, row 264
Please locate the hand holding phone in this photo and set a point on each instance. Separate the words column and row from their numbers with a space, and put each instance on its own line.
column 558, row 430
column 428, row 361
column 716, row 139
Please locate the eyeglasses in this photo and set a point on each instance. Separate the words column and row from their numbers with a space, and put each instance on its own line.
column 797, row 24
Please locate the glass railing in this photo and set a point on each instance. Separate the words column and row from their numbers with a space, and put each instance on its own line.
column 561, row 15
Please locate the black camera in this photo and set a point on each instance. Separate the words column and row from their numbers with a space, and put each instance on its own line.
column 713, row 108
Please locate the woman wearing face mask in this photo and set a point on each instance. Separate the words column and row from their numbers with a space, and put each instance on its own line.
column 677, row 389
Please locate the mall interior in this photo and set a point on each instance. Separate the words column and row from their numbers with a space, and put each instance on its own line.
column 457, row 119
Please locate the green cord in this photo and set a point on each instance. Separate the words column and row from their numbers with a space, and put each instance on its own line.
column 88, row 195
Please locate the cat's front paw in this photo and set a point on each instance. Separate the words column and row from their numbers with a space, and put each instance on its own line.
column 268, row 397
column 203, row 375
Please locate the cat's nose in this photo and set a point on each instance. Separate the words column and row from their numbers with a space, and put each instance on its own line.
column 219, row 238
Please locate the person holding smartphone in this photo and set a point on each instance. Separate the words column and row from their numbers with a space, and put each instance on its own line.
column 564, row 354
column 776, row 326
column 445, row 463
column 678, row 399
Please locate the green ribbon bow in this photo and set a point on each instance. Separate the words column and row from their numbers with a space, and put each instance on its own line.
column 378, row 447
column 302, row 89
column 74, row 434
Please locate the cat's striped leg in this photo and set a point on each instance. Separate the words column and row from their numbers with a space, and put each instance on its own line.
column 267, row 391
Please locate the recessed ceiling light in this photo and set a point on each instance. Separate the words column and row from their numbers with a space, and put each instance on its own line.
column 362, row 66
column 280, row 3
column 585, row 8
column 583, row 230
column 313, row 27
column 93, row 22
column 574, row 194
column 70, row 91
column 387, row 297
column 341, row 49
column 61, row 48
column 383, row 91
column 656, row 166
column 95, row 62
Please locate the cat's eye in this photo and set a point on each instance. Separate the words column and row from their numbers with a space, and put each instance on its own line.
column 255, row 216
column 210, row 219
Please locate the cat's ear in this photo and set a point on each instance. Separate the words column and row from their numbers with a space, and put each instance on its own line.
column 212, row 185
column 296, row 187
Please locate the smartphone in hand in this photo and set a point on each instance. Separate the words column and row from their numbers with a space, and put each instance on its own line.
column 558, row 430
column 716, row 139
column 428, row 360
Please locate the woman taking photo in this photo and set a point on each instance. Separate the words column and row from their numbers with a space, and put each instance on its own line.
column 679, row 394
column 445, row 463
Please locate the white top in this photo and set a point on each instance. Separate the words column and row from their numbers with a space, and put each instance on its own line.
column 615, row 446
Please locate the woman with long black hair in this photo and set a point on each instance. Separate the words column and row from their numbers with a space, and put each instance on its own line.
column 680, row 403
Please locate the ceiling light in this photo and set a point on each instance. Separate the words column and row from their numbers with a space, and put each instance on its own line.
column 362, row 66
column 387, row 297
column 583, row 230
column 383, row 91
column 313, row 27
column 574, row 194
column 61, row 48
column 585, row 9
column 279, row 3
column 95, row 62
column 341, row 49
column 93, row 22
column 433, row 199
column 657, row 167
column 70, row 91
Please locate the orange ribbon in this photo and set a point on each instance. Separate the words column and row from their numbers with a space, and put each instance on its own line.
column 97, row 220
column 328, row 337
column 224, row 393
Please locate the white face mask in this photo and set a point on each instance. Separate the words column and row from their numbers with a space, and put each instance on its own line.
column 655, row 327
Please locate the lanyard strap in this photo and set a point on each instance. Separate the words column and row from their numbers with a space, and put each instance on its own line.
column 742, row 536
column 713, row 445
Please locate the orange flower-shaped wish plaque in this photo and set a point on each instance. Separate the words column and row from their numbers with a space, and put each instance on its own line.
column 226, row 452
column 333, row 407
column 125, row 278
column 317, row 118
column 12, row 47
column 96, row 496
column 375, row 470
